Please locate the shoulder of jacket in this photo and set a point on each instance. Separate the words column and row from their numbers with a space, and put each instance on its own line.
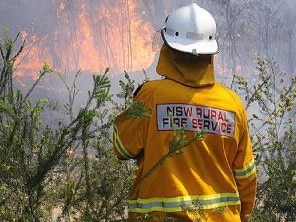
column 237, row 102
column 233, row 95
column 146, row 86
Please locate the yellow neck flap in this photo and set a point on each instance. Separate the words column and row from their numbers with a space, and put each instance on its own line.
column 185, row 68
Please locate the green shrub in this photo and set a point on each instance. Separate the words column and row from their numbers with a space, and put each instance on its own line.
column 271, row 103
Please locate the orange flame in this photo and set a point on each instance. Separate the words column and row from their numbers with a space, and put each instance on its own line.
column 91, row 38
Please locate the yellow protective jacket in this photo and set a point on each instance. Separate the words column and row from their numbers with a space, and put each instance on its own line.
column 210, row 180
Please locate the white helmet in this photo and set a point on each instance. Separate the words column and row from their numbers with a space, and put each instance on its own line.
column 191, row 29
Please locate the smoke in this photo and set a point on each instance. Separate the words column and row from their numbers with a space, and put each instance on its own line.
column 88, row 35
column 30, row 15
column 92, row 35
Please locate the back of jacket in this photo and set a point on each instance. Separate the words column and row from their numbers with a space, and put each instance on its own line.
column 216, row 174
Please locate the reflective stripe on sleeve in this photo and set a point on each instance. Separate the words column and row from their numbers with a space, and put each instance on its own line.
column 245, row 172
column 119, row 147
column 183, row 203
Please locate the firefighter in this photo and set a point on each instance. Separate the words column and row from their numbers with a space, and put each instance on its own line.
column 209, row 179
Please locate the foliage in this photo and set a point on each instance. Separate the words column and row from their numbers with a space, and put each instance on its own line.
column 69, row 171
column 272, row 102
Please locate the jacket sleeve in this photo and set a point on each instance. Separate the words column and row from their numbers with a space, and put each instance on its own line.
column 129, row 133
column 245, row 172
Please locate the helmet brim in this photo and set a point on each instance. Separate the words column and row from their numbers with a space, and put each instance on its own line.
column 202, row 47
